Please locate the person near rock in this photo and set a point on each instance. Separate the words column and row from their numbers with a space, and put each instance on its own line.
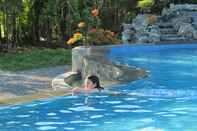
column 90, row 84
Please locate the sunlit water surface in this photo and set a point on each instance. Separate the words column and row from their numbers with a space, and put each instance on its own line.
column 165, row 100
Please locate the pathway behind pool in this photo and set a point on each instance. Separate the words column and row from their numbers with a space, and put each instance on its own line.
column 23, row 83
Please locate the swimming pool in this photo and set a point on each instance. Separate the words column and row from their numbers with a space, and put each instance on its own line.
column 166, row 99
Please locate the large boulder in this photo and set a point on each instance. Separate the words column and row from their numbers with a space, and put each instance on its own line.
column 78, row 53
column 126, row 26
column 194, row 24
column 154, row 38
column 184, row 7
column 186, row 30
column 195, row 34
column 142, row 38
column 140, row 23
column 168, row 15
column 127, row 35
column 154, row 34
column 178, row 21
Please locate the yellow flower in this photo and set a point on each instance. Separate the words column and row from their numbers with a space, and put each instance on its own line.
column 71, row 41
column 81, row 24
column 95, row 12
column 78, row 36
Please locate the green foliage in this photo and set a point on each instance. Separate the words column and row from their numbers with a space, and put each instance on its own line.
column 35, row 58
column 129, row 16
column 49, row 22
column 145, row 3
column 25, row 11
column 102, row 37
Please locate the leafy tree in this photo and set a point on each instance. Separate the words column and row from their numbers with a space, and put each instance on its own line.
column 51, row 22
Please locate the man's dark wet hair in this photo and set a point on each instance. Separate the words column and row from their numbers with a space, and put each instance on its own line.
column 95, row 80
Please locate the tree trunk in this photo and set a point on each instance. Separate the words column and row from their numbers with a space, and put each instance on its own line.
column 64, row 24
column 49, row 32
column 38, row 4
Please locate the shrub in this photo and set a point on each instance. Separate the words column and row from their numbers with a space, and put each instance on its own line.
column 101, row 37
column 86, row 35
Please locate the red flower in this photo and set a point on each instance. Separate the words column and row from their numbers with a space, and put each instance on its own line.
column 92, row 30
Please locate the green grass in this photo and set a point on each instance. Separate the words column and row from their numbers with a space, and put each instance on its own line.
column 35, row 58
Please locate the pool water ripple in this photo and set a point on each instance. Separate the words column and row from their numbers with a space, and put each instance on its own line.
column 164, row 101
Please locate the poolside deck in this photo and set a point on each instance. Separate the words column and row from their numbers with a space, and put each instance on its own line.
column 27, row 85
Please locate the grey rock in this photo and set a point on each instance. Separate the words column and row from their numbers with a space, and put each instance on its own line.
column 188, row 7
column 194, row 16
column 195, row 34
column 173, row 38
column 140, row 23
column 154, row 37
column 194, row 24
column 182, row 19
column 127, row 35
column 186, row 30
column 177, row 23
column 94, row 62
column 126, row 26
column 164, row 12
column 77, row 57
column 168, row 31
column 154, row 34
column 109, row 71
column 142, row 38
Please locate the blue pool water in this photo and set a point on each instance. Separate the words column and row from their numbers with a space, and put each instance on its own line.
column 166, row 99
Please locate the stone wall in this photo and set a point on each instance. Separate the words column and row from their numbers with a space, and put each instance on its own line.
column 78, row 54
column 177, row 23
column 93, row 61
